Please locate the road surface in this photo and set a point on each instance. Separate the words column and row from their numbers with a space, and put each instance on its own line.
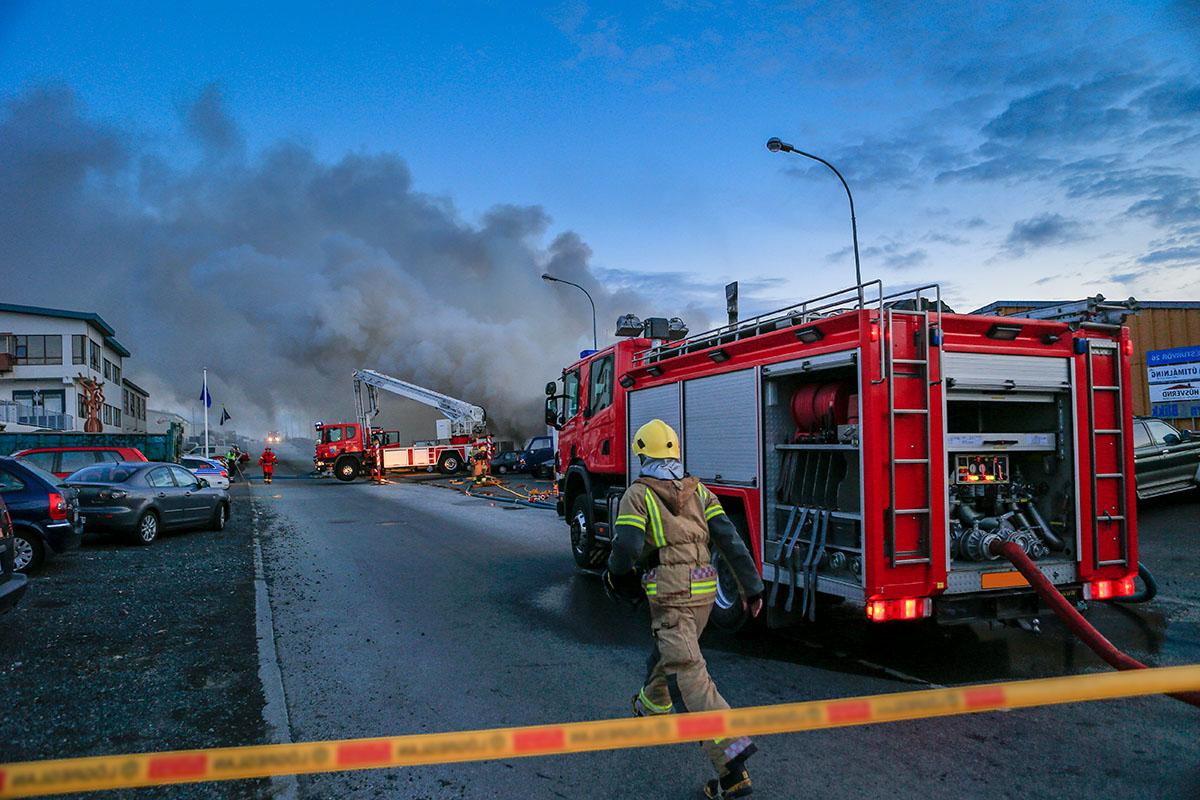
column 411, row 608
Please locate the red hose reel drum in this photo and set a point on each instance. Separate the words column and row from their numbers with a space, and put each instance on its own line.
column 821, row 405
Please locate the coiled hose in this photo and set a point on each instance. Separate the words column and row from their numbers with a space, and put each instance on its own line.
column 1079, row 626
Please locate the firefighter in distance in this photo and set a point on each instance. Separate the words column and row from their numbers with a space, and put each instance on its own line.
column 267, row 461
column 666, row 525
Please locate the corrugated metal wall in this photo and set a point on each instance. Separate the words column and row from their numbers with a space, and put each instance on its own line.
column 1160, row 329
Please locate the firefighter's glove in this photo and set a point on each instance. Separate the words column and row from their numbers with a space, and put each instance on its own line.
column 624, row 588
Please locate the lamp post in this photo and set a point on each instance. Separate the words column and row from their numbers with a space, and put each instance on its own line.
column 776, row 145
column 548, row 278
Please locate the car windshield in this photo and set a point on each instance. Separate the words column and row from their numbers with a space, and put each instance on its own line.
column 48, row 477
column 103, row 473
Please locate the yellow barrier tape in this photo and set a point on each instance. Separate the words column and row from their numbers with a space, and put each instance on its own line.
column 38, row 778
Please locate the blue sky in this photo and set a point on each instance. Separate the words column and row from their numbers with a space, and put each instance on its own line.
column 641, row 126
column 452, row 152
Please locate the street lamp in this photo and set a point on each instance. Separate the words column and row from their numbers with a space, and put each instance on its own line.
column 548, row 278
column 776, row 145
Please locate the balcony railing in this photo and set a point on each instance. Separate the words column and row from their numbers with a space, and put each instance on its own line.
column 21, row 414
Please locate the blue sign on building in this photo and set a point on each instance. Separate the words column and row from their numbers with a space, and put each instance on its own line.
column 1175, row 355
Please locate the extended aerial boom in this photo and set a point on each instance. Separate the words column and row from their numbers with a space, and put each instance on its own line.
column 465, row 419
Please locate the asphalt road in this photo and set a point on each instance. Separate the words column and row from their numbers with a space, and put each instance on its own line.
column 410, row 608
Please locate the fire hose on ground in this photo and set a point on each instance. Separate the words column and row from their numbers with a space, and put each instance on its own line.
column 1075, row 621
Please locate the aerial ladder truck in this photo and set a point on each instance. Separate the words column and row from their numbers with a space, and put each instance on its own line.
column 351, row 449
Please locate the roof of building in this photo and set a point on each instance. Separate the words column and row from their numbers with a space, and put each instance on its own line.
column 135, row 387
column 87, row 316
column 993, row 307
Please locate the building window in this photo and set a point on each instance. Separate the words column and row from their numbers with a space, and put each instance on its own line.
column 116, row 416
column 107, row 370
column 116, row 371
column 78, row 348
column 107, row 414
column 80, row 407
column 37, row 350
column 94, row 355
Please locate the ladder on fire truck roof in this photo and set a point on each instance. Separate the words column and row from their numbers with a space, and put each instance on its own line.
column 907, row 357
column 1110, row 349
column 465, row 419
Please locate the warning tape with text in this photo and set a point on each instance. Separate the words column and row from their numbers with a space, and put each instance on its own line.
column 37, row 778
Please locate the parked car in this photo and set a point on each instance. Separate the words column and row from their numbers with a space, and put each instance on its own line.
column 12, row 583
column 536, row 451
column 542, row 466
column 1165, row 458
column 62, row 461
column 45, row 513
column 143, row 499
column 505, row 462
column 210, row 469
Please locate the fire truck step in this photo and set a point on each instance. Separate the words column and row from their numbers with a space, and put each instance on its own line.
column 910, row 361
column 912, row 510
column 1108, row 431
column 1117, row 475
column 910, row 410
column 901, row 559
column 1106, row 388
column 912, row 460
column 1110, row 518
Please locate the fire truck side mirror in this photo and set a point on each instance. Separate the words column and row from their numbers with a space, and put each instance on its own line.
column 552, row 413
column 551, row 388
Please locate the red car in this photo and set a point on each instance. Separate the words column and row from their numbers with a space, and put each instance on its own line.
column 62, row 461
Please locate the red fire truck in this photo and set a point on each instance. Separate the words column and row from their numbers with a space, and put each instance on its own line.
column 351, row 449
column 873, row 451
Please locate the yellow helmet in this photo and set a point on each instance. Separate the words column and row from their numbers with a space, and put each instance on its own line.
column 656, row 439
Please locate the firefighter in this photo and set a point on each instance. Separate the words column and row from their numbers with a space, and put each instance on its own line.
column 666, row 524
column 231, row 462
column 267, row 462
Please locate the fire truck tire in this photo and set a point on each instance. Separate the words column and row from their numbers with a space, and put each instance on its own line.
column 583, row 544
column 727, row 612
column 346, row 468
column 449, row 463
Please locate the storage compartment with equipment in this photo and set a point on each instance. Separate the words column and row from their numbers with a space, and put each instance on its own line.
column 812, row 472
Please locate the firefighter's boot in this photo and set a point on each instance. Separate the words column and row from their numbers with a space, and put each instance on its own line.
column 736, row 783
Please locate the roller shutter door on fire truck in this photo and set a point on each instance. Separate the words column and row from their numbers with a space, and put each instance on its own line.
column 986, row 371
column 720, row 422
column 658, row 402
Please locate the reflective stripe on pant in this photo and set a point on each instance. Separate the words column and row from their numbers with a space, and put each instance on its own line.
column 679, row 679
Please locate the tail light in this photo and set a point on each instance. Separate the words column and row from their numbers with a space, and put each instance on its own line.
column 903, row 608
column 224, row 473
column 1108, row 589
column 58, row 506
column 1128, row 347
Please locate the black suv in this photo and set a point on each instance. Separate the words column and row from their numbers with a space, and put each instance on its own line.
column 1165, row 459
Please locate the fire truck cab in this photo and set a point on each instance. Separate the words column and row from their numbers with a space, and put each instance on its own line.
column 874, row 452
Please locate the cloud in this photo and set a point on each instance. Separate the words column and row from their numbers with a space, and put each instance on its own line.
column 1178, row 256
column 892, row 255
column 1043, row 230
column 314, row 266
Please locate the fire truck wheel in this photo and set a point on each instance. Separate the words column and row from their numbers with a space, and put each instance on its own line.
column 449, row 464
column 583, row 544
column 346, row 468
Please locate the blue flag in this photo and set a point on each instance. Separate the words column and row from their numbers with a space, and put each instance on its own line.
column 205, row 397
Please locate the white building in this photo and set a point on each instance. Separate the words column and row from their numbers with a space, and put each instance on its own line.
column 43, row 351
column 133, row 407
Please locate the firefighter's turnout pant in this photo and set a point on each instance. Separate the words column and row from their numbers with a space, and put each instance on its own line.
column 677, row 678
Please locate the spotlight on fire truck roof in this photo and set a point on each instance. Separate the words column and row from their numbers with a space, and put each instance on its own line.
column 676, row 329
column 810, row 335
column 629, row 325
column 1004, row 332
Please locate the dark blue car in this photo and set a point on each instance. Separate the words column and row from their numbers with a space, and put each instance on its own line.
column 45, row 514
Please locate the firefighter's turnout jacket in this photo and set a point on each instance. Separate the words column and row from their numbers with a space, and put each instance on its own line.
column 668, row 527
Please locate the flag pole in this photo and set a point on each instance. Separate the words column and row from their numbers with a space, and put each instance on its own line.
column 204, row 402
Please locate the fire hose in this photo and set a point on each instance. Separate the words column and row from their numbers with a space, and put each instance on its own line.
column 1070, row 617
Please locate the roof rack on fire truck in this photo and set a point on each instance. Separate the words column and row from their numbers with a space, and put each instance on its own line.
column 827, row 305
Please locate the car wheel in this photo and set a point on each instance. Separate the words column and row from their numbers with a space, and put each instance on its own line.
column 583, row 543
column 220, row 516
column 346, row 469
column 146, row 530
column 449, row 464
column 501, row 470
column 28, row 553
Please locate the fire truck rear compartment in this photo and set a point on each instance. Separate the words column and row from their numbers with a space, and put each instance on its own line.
column 812, row 525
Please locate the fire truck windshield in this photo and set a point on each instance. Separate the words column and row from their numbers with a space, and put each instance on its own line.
column 571, row 390
column 331, row 435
